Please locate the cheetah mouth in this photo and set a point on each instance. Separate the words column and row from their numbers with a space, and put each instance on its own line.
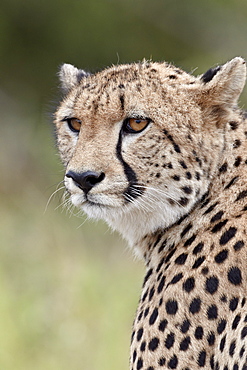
column 101, row 201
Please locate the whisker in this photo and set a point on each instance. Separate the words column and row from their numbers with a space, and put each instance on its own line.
column 159, row 191
column 53, row 194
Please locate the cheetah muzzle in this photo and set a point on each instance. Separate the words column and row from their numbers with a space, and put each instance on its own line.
column 161, row 156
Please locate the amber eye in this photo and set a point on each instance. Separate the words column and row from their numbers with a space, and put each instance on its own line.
column 134, row 125
column 74, row 124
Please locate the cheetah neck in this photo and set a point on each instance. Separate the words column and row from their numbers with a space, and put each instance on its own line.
column 228, row 183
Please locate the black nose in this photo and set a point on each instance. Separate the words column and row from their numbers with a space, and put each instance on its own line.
column 86, row 180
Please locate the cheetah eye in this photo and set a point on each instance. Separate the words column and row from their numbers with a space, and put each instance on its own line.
column 135, row 125
column 74, row 124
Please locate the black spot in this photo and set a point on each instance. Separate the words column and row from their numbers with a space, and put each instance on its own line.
column 153, row 316
column 187, row 189
column 211, row 338
column 188, row 175
column 183, row 164
column 189, row 284
column 219, row 226
column 211, row 208
column 231, row 182
column 140, row 316
column 145, row 295
column 244, row 332
column 217, row 216
column 228, row 235
column 223, row 298
column 241, row 352
column 205, row 270
column 153, row 344
column 184, row 345
column 212, row 312
column 210, row 74
column 222, row 343
column 146, row 312
column 236, row 322
column 221, row 326
column 198, row 248
column 190, row 240
column 139, row 364
column 186, row 230
column 241, row 195
column 185, row 326
column 212, row 284
column 121, row 98
column 171, row 307
column 176, row 177
column 238, row 245
column 223, row 168
column 202, row 358
column 172, row 77
column 139, row 334
column 163, row 325
column 233, row 304
column 198, row 176
column 161, row 284
column 149, row 273
column 173, row 363
column 237, row 162
column 233, row 125
column 161, row 248
column 160, row 265
column 236, row 143
column 151, row 293
column 175, row 145
column 134, row 355
column 162, row 361
column 170, row 339
column 169, row 256
column 180, row 260
column 232, row 348
column 176, row 278
column 221, row 256
column 199, row 332
column 183, row 201
column 198, row 161
column 198, row 262
column 235, row 276
column 195, row 305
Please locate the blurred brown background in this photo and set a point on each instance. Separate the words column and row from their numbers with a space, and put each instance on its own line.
column 69, row 288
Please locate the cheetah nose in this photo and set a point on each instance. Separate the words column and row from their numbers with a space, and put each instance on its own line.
column 85, row 180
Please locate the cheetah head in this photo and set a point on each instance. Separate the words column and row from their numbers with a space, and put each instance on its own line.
column 141, row 142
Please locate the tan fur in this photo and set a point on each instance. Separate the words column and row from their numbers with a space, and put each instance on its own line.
column 177, row 192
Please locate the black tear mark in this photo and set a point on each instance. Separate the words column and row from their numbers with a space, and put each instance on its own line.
column 130, row 192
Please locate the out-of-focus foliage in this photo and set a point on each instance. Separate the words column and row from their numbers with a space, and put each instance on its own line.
column 69, row 289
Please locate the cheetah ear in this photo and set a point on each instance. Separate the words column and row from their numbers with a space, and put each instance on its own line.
column 223, row 85
column 70, row 76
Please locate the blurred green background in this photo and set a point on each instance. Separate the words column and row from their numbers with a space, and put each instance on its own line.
column 69, row 288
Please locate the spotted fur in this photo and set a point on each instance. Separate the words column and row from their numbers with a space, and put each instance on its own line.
column 177, row 191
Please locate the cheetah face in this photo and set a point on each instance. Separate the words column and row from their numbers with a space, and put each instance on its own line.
column 135, row 145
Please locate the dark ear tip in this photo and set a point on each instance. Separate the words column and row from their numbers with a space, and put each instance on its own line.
column 208, row 76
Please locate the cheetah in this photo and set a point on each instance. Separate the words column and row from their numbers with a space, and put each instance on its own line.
column 161, row 156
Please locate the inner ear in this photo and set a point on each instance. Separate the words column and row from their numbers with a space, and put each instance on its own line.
column 210, row 74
